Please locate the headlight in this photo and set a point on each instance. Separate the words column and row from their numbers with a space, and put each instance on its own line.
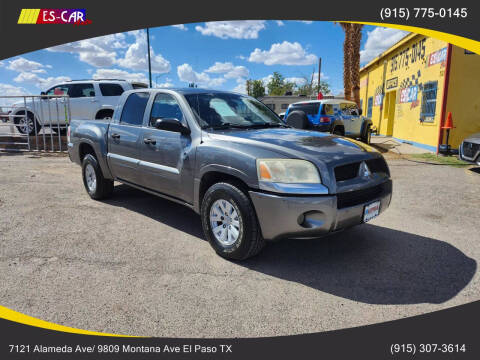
column 290, row 171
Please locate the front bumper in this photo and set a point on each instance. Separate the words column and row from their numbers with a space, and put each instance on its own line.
column 310, row 216
column 474, row 157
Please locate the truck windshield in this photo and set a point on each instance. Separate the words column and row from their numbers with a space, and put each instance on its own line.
column 223, row 110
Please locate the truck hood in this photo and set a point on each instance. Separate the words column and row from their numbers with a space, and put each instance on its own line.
column 302, row 144
column 474, row 138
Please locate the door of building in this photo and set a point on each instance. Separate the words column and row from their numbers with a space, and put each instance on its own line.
column 390, row 108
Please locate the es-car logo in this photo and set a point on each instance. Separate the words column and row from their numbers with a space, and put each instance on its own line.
column 53, row 16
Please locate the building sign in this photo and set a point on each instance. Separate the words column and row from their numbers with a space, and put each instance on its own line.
column 437, row 57
column 410, row 55
column 408, row 94
column 378, row 100
column 392, row 83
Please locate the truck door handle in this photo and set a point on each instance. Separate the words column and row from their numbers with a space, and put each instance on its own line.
column 115, row 136
column 149, row 141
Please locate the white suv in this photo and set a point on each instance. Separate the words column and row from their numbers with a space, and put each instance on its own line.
column 89, row 99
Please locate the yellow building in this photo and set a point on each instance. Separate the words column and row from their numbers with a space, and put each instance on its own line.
column 409, row 89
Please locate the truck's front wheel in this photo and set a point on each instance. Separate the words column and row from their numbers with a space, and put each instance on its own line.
column 96, row 185
column 230, row 223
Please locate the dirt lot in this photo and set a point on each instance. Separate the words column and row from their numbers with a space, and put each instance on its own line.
column 139, row 265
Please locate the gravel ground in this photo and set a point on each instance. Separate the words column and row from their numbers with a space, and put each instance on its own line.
column 139, row 265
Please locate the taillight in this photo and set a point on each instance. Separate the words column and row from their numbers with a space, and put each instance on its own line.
column 68, row 134
column 324, row 119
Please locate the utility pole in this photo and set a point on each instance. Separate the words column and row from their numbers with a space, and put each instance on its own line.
column 149, row 62
column 319, row 70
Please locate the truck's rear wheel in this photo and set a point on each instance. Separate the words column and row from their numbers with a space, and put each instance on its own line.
column 27, row 125
column 230, row 223
column 96, row 185
column 367, row 135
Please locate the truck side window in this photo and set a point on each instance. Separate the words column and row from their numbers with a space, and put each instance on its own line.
column 134, row 108
column 58, row 90
column 81, row 90
column 165, row 106
column 111, row 89
column 327, row 109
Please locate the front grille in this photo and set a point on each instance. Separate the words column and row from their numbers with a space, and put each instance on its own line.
column 470, row 149
column 378, row 165
column 350, row 171
column 352, row 198
column 346, row 172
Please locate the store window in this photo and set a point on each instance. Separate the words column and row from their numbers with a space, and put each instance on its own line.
column 370, row 106
column 429, row 102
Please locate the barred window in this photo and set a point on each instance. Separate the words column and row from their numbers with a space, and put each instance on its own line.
column 429, row 102
column 370, row 107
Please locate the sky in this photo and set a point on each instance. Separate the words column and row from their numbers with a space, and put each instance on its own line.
column 219, row 55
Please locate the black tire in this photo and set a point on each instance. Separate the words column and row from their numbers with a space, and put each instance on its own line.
column 297, row 119
column 31, row 125
column 337, row 130
column 250, row 241
column 367, row 134
column 104, row 187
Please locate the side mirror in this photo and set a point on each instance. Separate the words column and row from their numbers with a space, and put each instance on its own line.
column 360, row 111
column 43, row 95
column 171, row 124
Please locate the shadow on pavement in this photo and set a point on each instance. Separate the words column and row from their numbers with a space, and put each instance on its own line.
column 367, row 263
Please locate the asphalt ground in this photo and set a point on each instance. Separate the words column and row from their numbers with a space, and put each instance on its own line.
column 139, row 265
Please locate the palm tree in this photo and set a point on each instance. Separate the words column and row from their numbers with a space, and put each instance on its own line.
column 356, row 32
column 347, row 66
column 351, row 61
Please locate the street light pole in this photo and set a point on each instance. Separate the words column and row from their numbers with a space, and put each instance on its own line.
column 149, row 62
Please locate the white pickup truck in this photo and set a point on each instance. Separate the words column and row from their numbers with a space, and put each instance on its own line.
column 88, row 100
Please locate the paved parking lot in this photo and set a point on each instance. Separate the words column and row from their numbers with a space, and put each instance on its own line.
column 139, row 265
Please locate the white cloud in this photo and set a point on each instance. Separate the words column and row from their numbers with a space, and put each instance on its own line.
column 220, row 68
column 244, row 29
column 180, row 27
column 21, row 64
column 119, row 74
column 379, row 40
column 308, row 22
column 105, row 51
column 229, row 70
column 280, row 23
column 40, row 82
column 10, row 90
column 241, row 87
column 1, row 63
column 285, row 53
column 99, row 52
column 186, row 73
column 166, row 85
column 298, row 81
column 136, row 56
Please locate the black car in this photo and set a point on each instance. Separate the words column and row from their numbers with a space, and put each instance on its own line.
column 470, row 149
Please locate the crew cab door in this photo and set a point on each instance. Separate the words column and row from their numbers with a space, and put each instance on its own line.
column 83, row 101
column 123, row 138
column 346, row 114
column 164, row 159
column 357, row 122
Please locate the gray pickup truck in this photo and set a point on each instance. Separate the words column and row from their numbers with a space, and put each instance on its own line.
column 227, row 156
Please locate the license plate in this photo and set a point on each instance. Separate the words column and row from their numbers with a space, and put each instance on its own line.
column 371, row 211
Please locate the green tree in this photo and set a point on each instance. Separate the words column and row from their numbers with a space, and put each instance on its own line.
column 278, row 85
column 311, row 88
column 255, row 88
